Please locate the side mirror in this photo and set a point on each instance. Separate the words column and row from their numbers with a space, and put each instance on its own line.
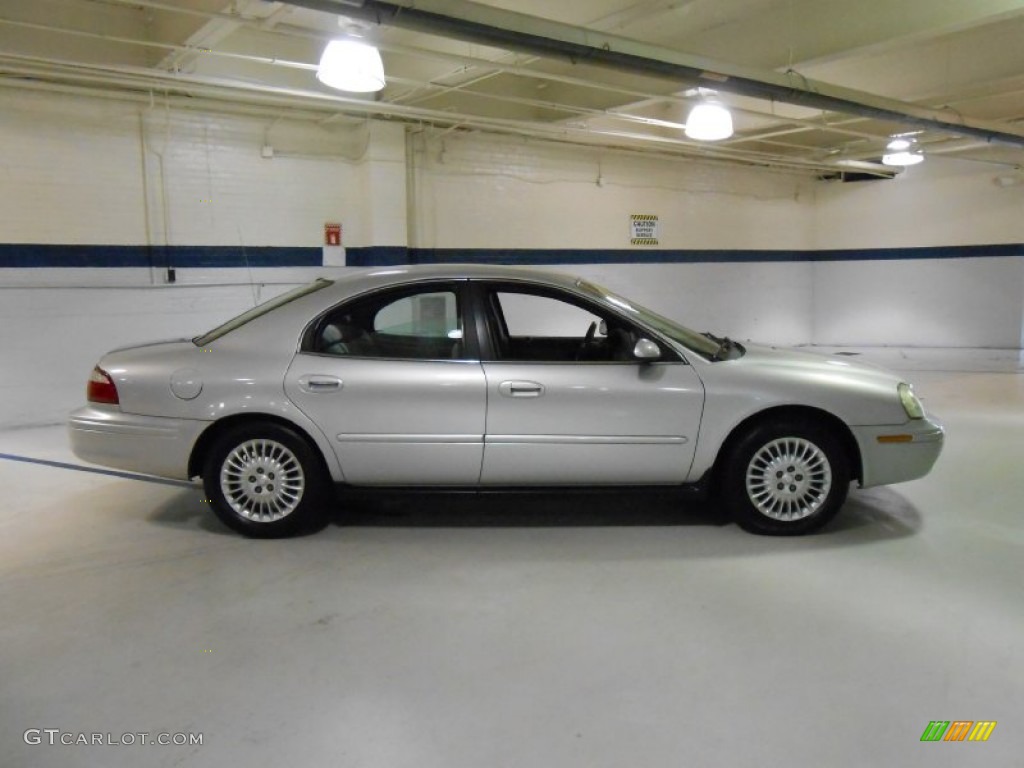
column 646, row 349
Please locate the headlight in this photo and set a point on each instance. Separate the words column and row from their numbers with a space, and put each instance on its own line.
column 910, row 402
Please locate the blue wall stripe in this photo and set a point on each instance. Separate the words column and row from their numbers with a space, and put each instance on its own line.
column 30, row 256
column 378, row 256
column 160, row 256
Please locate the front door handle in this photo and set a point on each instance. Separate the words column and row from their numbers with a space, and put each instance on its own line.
column 316, row 384
column 520, row 389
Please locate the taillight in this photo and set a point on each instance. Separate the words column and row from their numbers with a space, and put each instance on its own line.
column 101, row 388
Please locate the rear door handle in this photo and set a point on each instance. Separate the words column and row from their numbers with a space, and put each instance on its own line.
column 520, row 389
column 315, row 383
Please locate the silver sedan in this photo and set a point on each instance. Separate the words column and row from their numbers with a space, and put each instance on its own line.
column 492, row 377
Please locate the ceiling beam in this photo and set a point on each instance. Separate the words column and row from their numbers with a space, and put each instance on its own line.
column 29, row 71
column 464, row 20
column 215, row 30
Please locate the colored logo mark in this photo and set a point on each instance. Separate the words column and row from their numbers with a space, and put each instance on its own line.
column 958, row 730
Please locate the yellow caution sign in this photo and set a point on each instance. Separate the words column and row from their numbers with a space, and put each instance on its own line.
column 643, row 229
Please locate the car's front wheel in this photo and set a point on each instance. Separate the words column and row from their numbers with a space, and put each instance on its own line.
column 786, row 477
column 265, row 481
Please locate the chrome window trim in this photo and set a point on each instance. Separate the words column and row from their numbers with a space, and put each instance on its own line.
column 460, row 360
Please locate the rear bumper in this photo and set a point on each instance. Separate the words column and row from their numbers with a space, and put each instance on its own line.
column 895, row 454
column 149, row 444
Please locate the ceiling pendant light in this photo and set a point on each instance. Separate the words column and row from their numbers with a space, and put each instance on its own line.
column 708, row 121
column 349, row 65
column 902, row 151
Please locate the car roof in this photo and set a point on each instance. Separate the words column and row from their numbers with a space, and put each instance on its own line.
column 363, row 279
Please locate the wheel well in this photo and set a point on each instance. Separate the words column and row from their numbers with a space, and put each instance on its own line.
column 215, row 430
column 795, row 412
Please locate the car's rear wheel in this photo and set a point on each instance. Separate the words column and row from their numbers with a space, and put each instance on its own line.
column 786, row 477
column 265, row 481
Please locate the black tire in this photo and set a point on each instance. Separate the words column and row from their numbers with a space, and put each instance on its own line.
column 785, row 477
column 265, row 481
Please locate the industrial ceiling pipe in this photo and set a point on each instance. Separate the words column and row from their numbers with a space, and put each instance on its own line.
column 472, row 22
column 30, row 71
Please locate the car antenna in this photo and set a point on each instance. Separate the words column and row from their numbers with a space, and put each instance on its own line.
column 248, row 267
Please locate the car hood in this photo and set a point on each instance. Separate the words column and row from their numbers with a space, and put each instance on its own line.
column 856, row 392
column 800, row 361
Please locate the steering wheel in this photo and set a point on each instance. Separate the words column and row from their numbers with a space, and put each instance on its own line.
column 589, row 337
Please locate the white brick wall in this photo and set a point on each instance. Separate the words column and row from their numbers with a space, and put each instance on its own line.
column 73, row 172
column 481, row 192
column 476, row 191
column 977, row 302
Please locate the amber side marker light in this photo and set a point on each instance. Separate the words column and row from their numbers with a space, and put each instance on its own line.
column 895, row 438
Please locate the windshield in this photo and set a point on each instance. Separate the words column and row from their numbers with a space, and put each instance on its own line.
column 261, row 309
column 697, row 342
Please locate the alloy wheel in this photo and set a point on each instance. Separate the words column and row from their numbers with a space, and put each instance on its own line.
column 788, row 479
column 262, row 480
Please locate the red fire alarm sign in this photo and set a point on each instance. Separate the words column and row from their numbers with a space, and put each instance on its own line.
column 332, row 234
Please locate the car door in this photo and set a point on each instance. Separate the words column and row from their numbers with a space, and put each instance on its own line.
column 568, row 402
column 392, row 381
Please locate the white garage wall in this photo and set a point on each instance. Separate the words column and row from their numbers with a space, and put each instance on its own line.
column 475, row 191
column 973, row 302
column 484, row 192
column 72, row 171
column 89, row 171
column 954, row 302
column 942, row 202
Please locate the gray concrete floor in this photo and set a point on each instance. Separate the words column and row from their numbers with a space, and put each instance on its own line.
column 528, row 631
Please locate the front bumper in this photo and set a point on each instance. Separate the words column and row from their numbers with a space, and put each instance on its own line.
column 897, row 453
column 149, row 444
